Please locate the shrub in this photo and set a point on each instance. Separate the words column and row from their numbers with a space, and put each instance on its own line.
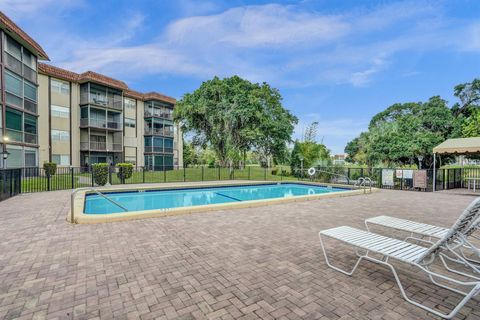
column 50, row 168
column 125, row 171
column 100, row 173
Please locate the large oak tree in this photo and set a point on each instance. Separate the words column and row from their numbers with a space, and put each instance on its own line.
column 233, row 116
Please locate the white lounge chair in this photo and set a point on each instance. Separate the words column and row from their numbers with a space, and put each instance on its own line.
column 417, row 256
column 418, row 231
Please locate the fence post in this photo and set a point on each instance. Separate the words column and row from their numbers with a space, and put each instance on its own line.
column 110, row 174
column 164, row 174
column 218, row 173
column 249, row 173
column 143, row 174
column 202, row 173
column 73, row 179
column 265, row 174
column 348, row 173
column 184, row 173
column 48, row 183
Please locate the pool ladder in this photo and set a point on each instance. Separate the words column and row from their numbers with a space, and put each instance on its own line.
column 74, row 193
column 362, row 182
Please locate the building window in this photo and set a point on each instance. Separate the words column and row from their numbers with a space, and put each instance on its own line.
column 30, row 91
column 60, row 135
column 13, row 84
column 14, row 48
column 130, row 103
column 60, row 112
column 59, row 86
column 29, row 60
column 15, row 158
column 131, row 159
column 61, row 159
column 14, row 125
column 30, row 158
column 129, row 122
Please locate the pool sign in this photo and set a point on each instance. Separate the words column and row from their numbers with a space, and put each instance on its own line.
column 407, row 174
column 420, row 179
column 404, row 174
column 387, row 177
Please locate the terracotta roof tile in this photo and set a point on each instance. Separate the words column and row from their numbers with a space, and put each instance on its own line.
column 22, row 36
column 57, row 72
column 133, row 94
column 102, row 79
column 158, row 96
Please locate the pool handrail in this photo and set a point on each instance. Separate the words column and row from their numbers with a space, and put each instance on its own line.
column 72, row 199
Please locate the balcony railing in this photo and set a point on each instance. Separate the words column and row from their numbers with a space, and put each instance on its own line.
column 158, row 113
column 100, row 146
column 100, row 123
column 154, row 149
column 101, row 100
column 20, row 136
column 159, row 132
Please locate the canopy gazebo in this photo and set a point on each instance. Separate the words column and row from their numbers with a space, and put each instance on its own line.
column 456, row 146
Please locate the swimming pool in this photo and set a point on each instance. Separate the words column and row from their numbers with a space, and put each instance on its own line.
column 200, row 196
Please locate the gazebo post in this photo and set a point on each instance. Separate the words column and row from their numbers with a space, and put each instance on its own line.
column 434, row 172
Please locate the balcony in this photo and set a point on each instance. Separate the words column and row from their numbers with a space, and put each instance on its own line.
column 100, row 123
column 154, row 149
column 102, row 100
column 158, row 113
column 21, row 136
column 159, row 132
column 100, row 146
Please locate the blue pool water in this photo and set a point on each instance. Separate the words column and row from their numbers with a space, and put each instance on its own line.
column 167, row 199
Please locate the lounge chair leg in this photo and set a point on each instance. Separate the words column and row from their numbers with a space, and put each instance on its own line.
column 432, row 279
column 442, row 258
column 366, row 226
column 348, row 273
column 473, row 292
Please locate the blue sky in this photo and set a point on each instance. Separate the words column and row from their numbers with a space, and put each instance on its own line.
column 335, row 62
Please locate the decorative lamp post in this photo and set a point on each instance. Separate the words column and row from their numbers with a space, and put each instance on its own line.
column 420, row 159
column 5, row 155
column 4, row 152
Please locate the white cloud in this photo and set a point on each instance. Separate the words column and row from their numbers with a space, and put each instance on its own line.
column 258, row 26
column 285, row 45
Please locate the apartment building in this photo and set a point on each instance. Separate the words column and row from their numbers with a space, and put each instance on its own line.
column 77, row 119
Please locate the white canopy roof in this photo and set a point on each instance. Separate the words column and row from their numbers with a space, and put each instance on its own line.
column 459, row 146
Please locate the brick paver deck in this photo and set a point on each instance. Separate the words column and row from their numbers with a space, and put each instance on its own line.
column 246, row 263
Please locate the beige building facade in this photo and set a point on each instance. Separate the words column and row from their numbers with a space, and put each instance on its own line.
column 49, row 114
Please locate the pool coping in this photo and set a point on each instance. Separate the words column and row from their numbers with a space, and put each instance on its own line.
column 82, row 218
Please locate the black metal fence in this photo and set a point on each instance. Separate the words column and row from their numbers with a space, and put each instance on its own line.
column 10, row 183
column 24, row 180
column 35, row 179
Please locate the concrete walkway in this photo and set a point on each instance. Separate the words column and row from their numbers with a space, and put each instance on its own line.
column 247, row 263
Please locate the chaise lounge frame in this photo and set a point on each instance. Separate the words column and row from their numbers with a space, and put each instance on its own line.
column 368, row 244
